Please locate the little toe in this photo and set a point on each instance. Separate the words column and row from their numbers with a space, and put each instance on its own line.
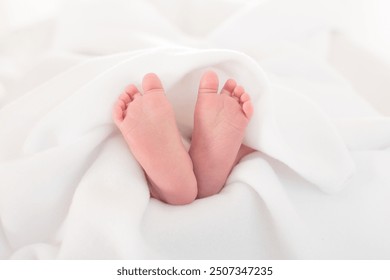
column 152, row 84
column 247, row 107
column 229, row 87
column 209, row 83
column 132, row 91
column 118, row 112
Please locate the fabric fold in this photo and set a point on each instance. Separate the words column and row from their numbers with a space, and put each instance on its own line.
column 285, row 125
column 71, row 189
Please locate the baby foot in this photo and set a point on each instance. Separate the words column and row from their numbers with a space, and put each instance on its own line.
column 219, row 126
column 147, row 123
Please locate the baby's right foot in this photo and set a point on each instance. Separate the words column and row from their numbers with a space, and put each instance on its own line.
column 147, row 123
column 219, row 127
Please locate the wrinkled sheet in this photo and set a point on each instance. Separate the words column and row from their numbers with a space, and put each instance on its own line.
column 317, row 187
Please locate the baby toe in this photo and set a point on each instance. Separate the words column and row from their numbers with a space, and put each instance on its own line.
column 229, row 87
column 209, row 83
column 152, row 84
column 132, row 91
column 125, row 97
column 118, row 112
column 238, row 92
column 244, row 97
column 247, row 108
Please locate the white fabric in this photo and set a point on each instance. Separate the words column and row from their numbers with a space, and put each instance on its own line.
column 70, row 188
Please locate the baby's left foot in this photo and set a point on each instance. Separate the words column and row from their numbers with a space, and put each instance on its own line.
column 148, row 125
column 219, row 127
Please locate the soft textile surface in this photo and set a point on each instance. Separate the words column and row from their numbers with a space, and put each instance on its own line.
column 318, row 187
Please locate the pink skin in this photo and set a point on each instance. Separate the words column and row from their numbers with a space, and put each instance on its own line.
column 148, row 125
column 219, row 128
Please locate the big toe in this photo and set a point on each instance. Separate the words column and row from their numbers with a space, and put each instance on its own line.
column 209, row 83
column 152, row 84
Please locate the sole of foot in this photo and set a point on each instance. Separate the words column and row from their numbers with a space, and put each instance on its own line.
column 147, row 123
column 220, row 120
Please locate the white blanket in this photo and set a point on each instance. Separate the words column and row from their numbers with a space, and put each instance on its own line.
column 70, row 188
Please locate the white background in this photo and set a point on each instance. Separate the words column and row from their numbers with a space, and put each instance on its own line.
column 366, row 21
